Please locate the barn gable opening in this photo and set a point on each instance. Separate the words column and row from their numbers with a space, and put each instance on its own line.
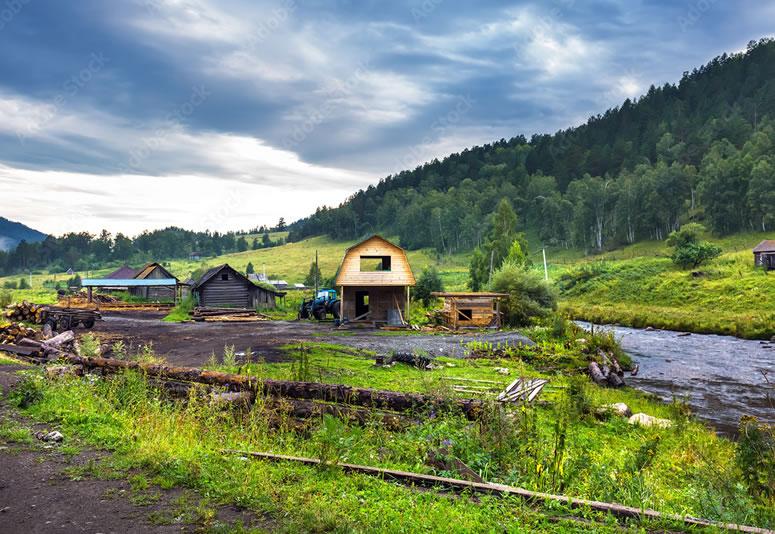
column 375, row 264
column 224, row 276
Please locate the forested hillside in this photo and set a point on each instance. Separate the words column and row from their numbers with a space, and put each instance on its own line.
column 702, row 150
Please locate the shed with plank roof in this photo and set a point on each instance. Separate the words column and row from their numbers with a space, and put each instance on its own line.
column 764, row 254
column 154, row 271
column 225, row 287
column 471, row 309
column 374, row 280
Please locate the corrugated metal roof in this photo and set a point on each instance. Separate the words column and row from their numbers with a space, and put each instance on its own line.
column 128, row 282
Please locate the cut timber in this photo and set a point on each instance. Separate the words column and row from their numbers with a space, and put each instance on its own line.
column 337, row 393
column 417, row 479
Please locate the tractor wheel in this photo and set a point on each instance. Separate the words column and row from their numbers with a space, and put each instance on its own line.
column 320, row 313
column 304, row 312
column 64, row 323
column 88, row 323
column 335, row 308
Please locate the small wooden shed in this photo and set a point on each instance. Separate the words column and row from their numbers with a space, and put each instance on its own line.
column 764, row 254
column 374, row 280
column 153, row 271
column 471, row 309
column 225, row 287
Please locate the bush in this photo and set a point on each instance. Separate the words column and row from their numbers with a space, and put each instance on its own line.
column 428, row 282
column 693, row 255
column 756, row 455
column 529, row 296
column 5, row 299
column 23, row 284
column 9, row 284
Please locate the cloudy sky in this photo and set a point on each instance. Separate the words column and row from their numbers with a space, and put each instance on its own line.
column 228, row 114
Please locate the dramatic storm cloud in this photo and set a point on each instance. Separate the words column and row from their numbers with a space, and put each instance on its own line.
column 229, row 114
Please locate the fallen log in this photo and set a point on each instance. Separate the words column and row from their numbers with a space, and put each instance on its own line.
column 336, row 393
column 597, row 374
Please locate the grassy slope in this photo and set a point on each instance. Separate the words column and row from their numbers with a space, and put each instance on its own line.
column 640, row 286
column 637, row 285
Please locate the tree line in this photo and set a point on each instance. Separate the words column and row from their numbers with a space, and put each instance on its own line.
column 700, row 151
column 82, row 250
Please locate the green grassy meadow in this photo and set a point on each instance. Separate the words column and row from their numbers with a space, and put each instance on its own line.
column 556, row 446
column 636, row 285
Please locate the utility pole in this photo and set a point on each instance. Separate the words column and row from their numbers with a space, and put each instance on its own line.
column 317, row 270
column 546, row 271
column 489, row 280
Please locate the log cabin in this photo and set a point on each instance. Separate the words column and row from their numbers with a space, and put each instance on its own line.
column 150, row 272
column 471, row 309
column 764, row 254
column 225, row 287
column 374, row 280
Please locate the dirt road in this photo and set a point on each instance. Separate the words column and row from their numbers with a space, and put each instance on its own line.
column 191, row 344
column 70, row 488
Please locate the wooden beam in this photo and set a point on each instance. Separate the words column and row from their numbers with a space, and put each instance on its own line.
column 500, row 490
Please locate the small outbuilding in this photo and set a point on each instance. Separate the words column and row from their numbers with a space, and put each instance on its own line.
column 374, row 280
column 471, row 309
column 153, row 271
column 225, row 287
column 764, row 254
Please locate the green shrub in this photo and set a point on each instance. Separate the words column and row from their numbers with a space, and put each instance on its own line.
column 5, row 299
column 28, row 391
column 529, row 295
column 428, row 282
column 756, row 455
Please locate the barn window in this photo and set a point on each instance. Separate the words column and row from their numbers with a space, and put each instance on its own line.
column 225, row 276
column 375, row 264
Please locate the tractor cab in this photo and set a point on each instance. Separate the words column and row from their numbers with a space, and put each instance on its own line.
column 326, row 294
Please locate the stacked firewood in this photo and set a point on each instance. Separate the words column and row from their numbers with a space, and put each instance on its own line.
column 26, row 311
column 201, row 313
column 14, row 332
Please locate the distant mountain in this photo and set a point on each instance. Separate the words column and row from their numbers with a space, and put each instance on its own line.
column 12, row 232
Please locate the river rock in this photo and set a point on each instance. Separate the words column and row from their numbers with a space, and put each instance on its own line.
column 617, row 408
column 54, row 436
column 646, row 420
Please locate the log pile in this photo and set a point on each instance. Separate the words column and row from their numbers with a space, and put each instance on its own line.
column 27, row 312
column 201, row 313
column 14, row 332
column 41, row 351
column 372, row 399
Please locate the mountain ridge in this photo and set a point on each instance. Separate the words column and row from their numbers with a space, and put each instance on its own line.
column 13, row 232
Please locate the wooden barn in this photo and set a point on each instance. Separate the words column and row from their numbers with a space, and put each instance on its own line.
column 225, row 287
column 154, row 271
column 374, row 280
column 471, row 309
column 764, row 254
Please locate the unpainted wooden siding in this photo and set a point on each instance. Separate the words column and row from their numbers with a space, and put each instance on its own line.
column 381, row 299
column 350, row 271
column 481, row 311
column 230, row 293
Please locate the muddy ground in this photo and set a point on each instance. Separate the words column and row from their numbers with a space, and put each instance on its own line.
column 68, row 487
column 191, row 344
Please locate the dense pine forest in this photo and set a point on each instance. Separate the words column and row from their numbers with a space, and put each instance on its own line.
column 702, row 150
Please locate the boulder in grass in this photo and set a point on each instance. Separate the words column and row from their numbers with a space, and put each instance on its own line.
column 618, row 408
column 645, row 420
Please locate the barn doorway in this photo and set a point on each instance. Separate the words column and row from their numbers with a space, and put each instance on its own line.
column 361, row 303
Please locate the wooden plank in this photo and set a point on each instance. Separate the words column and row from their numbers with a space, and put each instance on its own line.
column 433, row 481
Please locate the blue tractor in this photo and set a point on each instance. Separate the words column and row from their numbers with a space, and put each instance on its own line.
column 325, row 302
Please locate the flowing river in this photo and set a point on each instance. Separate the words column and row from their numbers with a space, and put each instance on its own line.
column 720, row 377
